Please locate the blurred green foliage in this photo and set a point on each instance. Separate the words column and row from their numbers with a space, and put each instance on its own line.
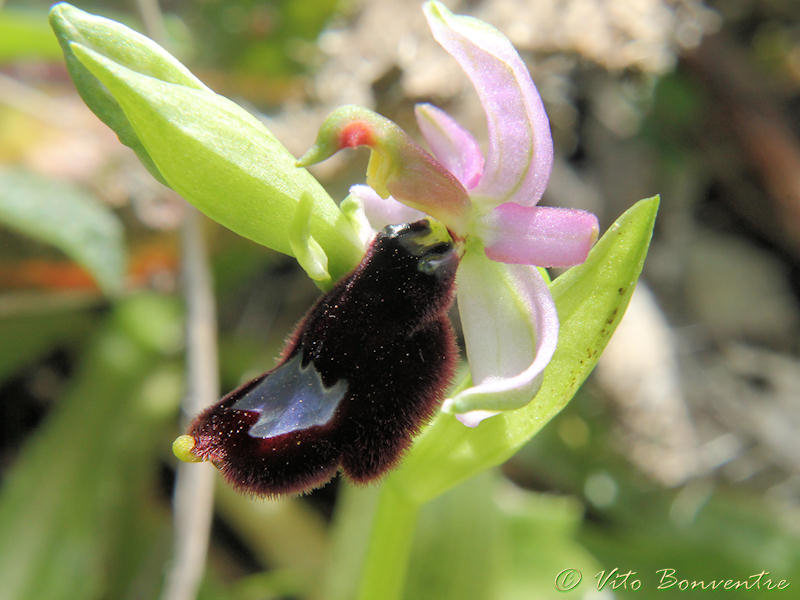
column 273, row 40
column 23, row 35
column 77, row 508
column 704, row 530
column 68, row 218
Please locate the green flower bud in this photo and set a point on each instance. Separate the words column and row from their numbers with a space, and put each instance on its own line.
column 124, row 46
column 208, row 149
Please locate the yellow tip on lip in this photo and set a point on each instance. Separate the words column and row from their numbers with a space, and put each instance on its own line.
column 182, row 449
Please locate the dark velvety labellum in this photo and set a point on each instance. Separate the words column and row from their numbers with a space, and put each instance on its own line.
column 366, row 367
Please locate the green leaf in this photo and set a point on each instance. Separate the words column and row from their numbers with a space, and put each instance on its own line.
column 591, row 299
column 211, row 151
column 66, row 217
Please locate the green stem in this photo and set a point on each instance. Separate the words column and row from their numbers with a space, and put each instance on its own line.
column 389, row 546
column 370, row 543
column 349, row 538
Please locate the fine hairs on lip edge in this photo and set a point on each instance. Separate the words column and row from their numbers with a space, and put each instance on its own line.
column 365, row 368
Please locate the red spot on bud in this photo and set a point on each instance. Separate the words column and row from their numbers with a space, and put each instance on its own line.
column 356, row 134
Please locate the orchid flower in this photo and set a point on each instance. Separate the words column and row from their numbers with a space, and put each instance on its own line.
column 488, row 203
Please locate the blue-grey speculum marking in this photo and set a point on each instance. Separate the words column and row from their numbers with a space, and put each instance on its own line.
column 291, row 398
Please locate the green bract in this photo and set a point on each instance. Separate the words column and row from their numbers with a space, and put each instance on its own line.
column 207, row 148
column 591, row 299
